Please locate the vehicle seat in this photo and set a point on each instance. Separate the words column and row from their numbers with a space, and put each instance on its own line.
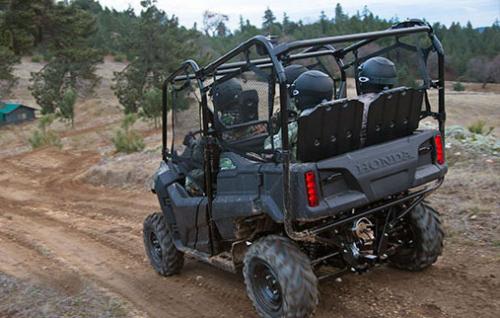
column 249, row 105
column 329, row 129
column 393, row 114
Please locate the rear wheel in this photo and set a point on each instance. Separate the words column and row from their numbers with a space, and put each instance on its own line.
column 422, row 238
column 160, row 248
column 279, row 279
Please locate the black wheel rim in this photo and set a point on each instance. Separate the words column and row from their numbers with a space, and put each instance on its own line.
column 266, row 287
column 155, row 247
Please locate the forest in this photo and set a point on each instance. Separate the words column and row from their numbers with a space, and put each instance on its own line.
column 72, row 37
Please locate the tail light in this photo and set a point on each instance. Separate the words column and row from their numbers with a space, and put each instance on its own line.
column 312, row 189
column 438, row 142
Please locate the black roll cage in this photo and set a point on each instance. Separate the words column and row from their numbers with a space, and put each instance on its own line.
column 276, row 57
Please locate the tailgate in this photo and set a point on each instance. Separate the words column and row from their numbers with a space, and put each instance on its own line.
column 370, row 174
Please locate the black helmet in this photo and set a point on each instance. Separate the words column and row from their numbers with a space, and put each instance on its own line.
column 226, row 95
column 293, row 71
column 376, row 74
column 311, row 88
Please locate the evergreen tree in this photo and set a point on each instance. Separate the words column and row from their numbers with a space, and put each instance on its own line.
column 7, row 79
column 323, row 21
column 162, row 47
column 67, row 33
column 152, row 105
column 268, row 21
column 66, row 110
column 340, row 16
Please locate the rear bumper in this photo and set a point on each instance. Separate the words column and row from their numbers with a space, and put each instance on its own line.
column 361, row 177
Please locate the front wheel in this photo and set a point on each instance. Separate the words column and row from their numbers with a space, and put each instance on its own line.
column 279, row 278
column 159, row 245
column 422, row 237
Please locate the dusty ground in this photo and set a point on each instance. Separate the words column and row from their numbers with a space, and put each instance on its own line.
column 66, row 237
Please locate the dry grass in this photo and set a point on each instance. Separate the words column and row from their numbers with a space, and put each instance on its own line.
column 26, row 300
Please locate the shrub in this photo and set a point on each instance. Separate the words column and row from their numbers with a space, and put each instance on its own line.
column 458, row 87
column 48, row 138
column 66, row 110
column 479, row 127
column 126, row 139
column 44, row 136
column 36, row 58
column 152, row 105
column 119, row 58
column 47, row 57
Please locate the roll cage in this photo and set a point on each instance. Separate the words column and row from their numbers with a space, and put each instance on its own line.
column 275, row 58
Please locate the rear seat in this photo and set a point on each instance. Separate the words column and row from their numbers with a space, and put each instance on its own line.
column 395, row 113
column 329, row 129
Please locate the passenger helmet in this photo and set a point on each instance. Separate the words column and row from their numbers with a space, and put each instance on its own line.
column 225, row 95
column 293, row 71
column 376, row 74
column 311, row 88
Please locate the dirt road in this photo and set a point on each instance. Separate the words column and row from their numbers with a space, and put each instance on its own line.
column 61, row 233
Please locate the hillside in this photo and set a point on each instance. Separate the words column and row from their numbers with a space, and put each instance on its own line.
column 71, row 221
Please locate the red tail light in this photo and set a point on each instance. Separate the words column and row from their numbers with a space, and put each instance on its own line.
column 312, row 189
column 438, row 142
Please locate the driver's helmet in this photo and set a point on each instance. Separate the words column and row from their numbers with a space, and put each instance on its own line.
column 225, row 97
column 312, row 88
column 376, row 74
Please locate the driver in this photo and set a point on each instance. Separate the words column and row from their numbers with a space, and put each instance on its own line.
column 309, row 89
column 374, row 76
column 225, row 97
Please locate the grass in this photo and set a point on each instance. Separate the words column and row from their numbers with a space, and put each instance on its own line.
column 44, row 136
column 479, row 127
column 458, row 87
column 36, row 58
column 119, row 58
column 126, row 139
column 23, row 299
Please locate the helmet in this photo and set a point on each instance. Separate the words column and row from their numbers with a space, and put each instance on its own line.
column 311, row 88
column 293, row 71
column 226, row 95
column 376, row 74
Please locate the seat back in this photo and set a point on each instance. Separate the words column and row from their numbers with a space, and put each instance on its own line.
column 329, row 129
column 393, row 114
column 249, row 105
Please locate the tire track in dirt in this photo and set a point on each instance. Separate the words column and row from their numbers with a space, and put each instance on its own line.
column 116, row 271
column 107, row 249
column 95, row 234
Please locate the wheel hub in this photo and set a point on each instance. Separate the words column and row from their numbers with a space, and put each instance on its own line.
column 266, row 286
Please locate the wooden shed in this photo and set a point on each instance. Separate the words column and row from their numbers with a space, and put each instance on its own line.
column 14, row 113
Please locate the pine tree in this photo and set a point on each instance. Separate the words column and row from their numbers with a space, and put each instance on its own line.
column 323, row 21
column 162, row 47
column 67, row 33
column 66, row 109
column 269, row 21
column 7, row 79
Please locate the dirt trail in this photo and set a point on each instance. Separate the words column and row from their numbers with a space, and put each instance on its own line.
column 60, row 232
column 49, row 220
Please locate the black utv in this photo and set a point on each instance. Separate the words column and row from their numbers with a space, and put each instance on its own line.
column 251, row 181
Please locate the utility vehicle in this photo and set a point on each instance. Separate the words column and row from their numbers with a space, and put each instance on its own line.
column 289, row 217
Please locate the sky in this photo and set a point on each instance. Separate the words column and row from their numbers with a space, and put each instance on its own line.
column 478, row 12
